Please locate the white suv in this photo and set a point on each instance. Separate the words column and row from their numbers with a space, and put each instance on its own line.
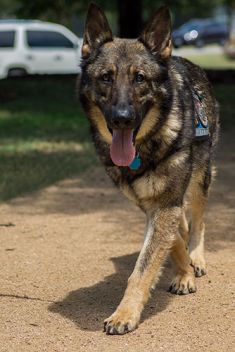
column 37, row 47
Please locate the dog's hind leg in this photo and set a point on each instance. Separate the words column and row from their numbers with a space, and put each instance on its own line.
column 184, row 281
column 197, row 230
column 198, row 199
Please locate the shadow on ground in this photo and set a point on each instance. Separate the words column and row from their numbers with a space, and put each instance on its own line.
column 24, row 173
column 87, row 307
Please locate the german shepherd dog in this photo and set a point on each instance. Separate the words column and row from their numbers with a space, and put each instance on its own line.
column 154, row 123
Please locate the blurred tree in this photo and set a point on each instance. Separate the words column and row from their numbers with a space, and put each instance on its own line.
column 61, row 11
column 130, row 18
column 131, row 13
column 183, row 10
column 8, row 7
column 55, row 10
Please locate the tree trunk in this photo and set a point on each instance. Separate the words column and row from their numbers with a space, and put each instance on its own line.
column 130, row 18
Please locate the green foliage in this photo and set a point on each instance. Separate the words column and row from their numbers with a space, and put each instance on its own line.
column 8, row 7
column 185, row 9
column 63, row 10
column 44, row 136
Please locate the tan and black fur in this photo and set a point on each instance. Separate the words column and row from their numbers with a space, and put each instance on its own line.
column 157, row 90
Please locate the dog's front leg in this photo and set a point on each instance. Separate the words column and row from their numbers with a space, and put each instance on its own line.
column 162, row 227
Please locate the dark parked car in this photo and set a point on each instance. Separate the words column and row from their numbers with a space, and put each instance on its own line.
column 201, row 32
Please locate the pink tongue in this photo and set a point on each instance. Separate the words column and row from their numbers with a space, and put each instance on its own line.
column 122, row 151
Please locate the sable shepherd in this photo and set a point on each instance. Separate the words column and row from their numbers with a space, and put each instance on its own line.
column 154, row 122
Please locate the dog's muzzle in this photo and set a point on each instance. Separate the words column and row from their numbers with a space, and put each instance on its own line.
column 122, row 117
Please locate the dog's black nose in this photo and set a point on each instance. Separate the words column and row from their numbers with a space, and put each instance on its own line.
column 122, row 117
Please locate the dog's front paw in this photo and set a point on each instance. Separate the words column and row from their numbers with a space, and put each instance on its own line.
column 198, row 263
column 121, row 322
column 183, row 284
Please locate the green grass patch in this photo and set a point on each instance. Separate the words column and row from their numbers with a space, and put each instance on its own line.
column 44, row 136
column 215, row 61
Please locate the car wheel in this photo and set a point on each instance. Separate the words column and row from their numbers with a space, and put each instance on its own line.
column 177, row 43
column 199, row 43
column 17, row 72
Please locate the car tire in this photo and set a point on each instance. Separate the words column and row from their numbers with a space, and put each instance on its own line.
column 177, row 43
column 16, row 72
column 199, row 43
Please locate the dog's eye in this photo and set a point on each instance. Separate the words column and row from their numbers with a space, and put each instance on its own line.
column 106, row 77
column 139, row 78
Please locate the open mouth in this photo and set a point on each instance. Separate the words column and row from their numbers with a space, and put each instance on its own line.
column 122, row 150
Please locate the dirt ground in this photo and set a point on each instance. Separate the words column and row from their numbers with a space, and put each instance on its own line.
column 66, row 253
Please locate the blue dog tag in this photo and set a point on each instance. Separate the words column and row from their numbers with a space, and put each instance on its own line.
column 201, row 131
column 136, row 163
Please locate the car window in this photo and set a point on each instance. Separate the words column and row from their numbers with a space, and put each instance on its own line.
column 187, row 27
column 47, row 39
column 212, row 26
column 7, row 39
column 215, row 27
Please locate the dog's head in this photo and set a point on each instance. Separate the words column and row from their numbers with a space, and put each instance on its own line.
column 124, row 82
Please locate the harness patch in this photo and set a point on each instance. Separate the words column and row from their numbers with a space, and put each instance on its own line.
column 201, row 120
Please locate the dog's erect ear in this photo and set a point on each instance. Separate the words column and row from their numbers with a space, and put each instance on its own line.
column 97, row 30
column 157, row 34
